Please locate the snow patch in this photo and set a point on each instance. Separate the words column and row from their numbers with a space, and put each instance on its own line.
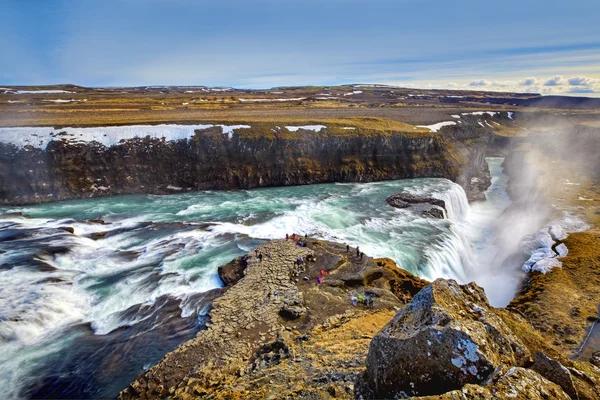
column 228, row 129
column 37, row 91
column 107, row 136
column 438, row 126
column 455, row 116
column 316, row 128
column 490, row 113
column 539, row 245
column 61, row 101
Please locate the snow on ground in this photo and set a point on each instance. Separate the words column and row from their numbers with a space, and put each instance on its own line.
column 371, row 85
column 15, row 101
column 108, row 136
column 490, row 113
column 264, row 100
column 510, row 114
column 539, row 245
column 438, row 126
column 455, row 116
column 61, row 101
column 480, row 123
column 228, row 129
column 316, row 128
column 349, row 128
column 10, row 91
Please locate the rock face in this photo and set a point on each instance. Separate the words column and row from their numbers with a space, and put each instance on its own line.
column 447, row 337
column 212, row 160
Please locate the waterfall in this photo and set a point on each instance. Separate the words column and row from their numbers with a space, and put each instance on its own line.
column 457, row 205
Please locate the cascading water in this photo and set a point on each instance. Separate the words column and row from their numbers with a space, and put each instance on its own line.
column 111, row 298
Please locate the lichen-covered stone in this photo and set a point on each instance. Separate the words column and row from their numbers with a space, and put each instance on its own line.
column 446, row 337
column 517, row 383
column 554, row 371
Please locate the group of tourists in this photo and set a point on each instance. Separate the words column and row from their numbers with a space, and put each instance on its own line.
column 359, row 254
column 297, row 239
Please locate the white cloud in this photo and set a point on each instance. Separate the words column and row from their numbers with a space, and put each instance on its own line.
column 529, row 81
column 580, row 81
column 503, row 84
column 556, row 81
column 481, row 82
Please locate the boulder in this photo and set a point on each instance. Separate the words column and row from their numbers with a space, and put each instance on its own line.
column 434, row 213
column 446, row 337
column 595, row 359
column 231, row 273
column 526, row 384
column 404, row 200
column 555, row 372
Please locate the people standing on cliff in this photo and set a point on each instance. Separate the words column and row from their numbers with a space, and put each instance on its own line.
column 287, row 236
column 347, row 248
column 361, row 255
column 260, row 257
column 357, row 251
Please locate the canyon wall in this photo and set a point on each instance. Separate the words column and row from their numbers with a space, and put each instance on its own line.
column 209, row 159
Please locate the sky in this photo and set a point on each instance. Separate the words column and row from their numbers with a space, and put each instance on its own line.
column 541, row 46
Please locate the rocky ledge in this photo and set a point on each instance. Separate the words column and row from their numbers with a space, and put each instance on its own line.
column 269, row 305
column 284, row 329
column 406, row 200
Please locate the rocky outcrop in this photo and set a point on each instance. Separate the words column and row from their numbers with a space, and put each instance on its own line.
column 274, row 302
column 232, row 272
column 448, row 343
column 404, row 200
column 445, row 338
column 516, row 383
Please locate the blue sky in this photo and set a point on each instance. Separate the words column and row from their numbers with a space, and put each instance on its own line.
column 545, row 46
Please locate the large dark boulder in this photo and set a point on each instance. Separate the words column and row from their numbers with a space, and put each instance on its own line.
column 404, row 200
column 231, row 273
column 446, row 337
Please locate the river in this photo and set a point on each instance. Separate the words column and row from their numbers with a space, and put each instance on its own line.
column 82, row 313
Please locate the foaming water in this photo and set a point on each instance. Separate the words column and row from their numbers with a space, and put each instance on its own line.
column 73, row 304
